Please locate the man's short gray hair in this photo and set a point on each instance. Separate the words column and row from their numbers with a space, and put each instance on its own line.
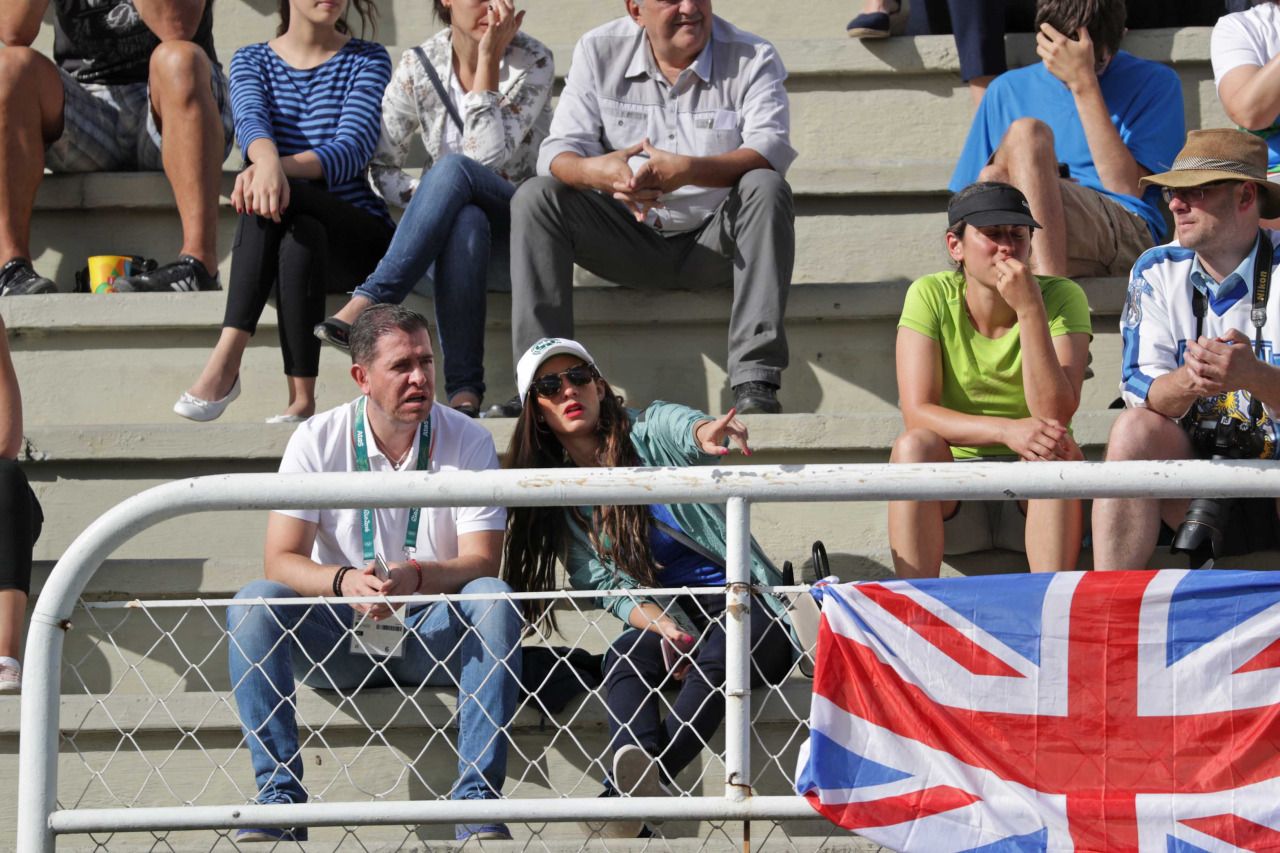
column 377, row 321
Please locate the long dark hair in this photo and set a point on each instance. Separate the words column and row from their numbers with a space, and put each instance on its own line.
column 366, row 9
column 536, row 536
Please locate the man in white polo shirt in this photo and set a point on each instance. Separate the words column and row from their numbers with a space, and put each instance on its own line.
column 474, row 645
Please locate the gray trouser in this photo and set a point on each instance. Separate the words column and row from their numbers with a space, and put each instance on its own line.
column 749, row 242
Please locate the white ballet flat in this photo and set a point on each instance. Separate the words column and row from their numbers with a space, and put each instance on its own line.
column 194, row 409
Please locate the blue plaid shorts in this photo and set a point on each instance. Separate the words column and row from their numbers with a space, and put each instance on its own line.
column 110, row 128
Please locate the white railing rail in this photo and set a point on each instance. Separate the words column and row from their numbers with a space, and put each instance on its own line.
column 39, row 821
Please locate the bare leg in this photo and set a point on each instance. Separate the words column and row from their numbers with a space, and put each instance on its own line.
column 31, row 103
column 978, row 87
column 1056, row 544
column 1125, row 529
column 1027, row 160
column 356, row 306
column 13, row 613
column 187, row 114
column 302, row 395
column 223, row 366
column 915, row 527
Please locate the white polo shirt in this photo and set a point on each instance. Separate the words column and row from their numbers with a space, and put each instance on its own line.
column 325, row 443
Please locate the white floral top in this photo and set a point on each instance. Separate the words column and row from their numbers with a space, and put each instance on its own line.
column 501, row 130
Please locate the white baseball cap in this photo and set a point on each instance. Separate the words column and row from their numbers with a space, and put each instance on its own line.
column 540, row 352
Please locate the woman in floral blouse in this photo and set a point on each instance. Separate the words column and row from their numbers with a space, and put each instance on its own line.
column 479, row 93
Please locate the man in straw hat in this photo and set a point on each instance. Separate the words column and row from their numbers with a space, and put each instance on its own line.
column 1179, row 370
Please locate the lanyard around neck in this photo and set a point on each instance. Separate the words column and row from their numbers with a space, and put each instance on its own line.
column 362, row 464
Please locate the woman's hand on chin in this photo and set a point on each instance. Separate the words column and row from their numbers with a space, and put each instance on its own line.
column 713, row 436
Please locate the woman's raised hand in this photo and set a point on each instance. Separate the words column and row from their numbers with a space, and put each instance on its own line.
column 504, row 23
column 712, row 435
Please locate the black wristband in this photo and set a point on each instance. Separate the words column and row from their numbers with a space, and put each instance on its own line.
column 337, row 578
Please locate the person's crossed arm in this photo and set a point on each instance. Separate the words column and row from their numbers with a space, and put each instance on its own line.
column 20, row 21
column 287, row 560
column 10, row 401
column 171, row 20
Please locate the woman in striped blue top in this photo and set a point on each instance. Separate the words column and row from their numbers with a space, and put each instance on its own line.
column 307, row 110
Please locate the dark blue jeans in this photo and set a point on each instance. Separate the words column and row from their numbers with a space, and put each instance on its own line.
column 473, row 645
column 459, row 209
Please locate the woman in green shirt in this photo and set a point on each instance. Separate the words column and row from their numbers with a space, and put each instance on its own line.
column 990, row 360
column 571, row 418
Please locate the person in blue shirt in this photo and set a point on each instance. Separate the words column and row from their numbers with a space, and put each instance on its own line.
column 1075, row 133
column 308, row 108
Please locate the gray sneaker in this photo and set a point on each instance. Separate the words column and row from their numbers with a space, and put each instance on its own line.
column 18, row 278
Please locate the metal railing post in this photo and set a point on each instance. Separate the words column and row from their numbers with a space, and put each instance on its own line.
column 737, row 654
column 38, row 746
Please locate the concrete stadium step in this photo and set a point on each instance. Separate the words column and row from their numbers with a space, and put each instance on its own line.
column 81, row 472
column 124, row 358
column 844, row 209
column 188, row 751
column 870, row 193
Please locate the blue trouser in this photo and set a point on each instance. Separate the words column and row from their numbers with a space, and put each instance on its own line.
column 473, row 645
column 458, row 210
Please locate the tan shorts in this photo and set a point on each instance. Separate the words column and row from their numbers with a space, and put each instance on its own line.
column 983, row 525
column 1104, row 237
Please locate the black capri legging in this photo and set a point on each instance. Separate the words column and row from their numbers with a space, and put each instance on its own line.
column 634, row 670
column 20, row 522
column 321, row 245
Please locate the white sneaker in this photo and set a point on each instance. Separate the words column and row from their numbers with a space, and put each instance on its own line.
column 635, row 774
column 10, row 678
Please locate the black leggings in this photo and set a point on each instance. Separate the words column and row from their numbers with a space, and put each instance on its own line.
column 634, row 669
column 321, row 245
column 20, row 523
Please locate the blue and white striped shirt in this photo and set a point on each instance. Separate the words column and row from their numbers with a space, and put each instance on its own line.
column 334, row 109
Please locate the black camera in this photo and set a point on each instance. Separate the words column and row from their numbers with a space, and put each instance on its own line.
column 1215, row 437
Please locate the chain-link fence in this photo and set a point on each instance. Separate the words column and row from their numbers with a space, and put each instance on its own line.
column 174, row 703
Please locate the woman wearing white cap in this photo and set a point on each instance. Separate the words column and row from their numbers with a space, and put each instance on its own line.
column 990, row 361
column 571, row 417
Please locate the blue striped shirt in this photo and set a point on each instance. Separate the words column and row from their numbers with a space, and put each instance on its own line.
column 334, row 109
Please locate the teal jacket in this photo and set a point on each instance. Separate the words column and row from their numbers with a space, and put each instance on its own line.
column 663, row 437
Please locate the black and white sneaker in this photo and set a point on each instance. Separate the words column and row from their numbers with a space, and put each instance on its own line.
column 186, row 274
column 18, row 278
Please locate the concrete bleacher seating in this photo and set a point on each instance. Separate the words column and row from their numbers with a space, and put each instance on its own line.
column 878, row 127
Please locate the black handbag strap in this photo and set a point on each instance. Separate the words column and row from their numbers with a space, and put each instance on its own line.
column 440, row 89
column 685, row 540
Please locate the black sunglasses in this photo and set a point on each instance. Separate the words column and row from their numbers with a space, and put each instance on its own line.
column 578, row 375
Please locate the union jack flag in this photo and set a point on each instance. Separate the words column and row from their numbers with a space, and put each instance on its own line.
column 1082, row 711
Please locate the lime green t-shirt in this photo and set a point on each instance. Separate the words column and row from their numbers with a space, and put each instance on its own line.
column 981, row 375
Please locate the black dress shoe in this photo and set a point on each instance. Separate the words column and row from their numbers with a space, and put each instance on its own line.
column 756, row 398
column 510, row 409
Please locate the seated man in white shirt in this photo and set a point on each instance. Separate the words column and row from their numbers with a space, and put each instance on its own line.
column 474, row 645
column 664, row 169
column 1199, row 372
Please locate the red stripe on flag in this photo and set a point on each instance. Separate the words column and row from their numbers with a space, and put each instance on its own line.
column 948, row 640
column 893, row 810
column 1268, row 658
column 1234, row 829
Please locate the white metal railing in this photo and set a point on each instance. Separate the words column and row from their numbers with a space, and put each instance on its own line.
column 40, row 821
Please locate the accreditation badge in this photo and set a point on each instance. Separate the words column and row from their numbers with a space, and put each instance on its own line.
column 383, row 639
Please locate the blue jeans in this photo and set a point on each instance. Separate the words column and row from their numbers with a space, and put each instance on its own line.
column 457, row 211
column 473, row 645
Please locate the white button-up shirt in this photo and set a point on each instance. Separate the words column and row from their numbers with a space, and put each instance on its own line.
column 731, row 97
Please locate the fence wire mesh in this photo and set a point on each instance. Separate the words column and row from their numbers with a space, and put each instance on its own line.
column 156, row 712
